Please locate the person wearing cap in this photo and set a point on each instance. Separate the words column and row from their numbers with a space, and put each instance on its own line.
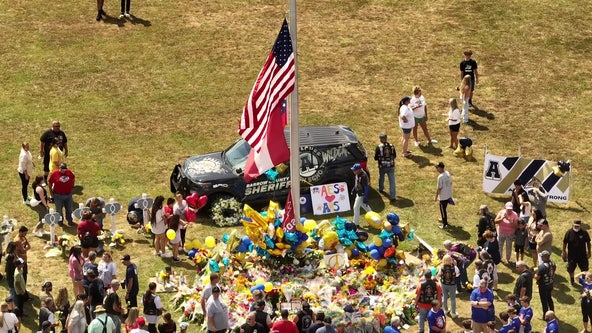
column 519, row 198
column 141, row 326
column 385, row 155
column 8, row 319
column 406, row 122
column 482, row 308
column 361, row 190
column 46, row 141
column 112, row 305
column 102, row 323
column 486, row 222
column 468, row 66
column 217, row 313
column 284, row 325
column 319, row 322
column 544, row 239
column 576, row 249
column 45, row 312
column 507, row 221
column 328, row 327
column 545, row 277
column 303, row 318
column 61, row 182
column 207, row 291
column 523, row 286
column 420, row 114
column 425, row 293
column 251, row 325
column 443, row 193
column 132, row 286
column 262, row 316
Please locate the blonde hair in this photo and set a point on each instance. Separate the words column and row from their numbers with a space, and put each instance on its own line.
column 62, row 298
column 3, row 309
column 447, row 260
column 453, row 104
column 132, row 315
column 466, row 81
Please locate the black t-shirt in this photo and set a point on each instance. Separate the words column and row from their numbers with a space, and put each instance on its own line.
column 48, row 136
column 170, row 327
column 250, row 329
column 468, row 67
column 516, row 201
column 96, row 291
column 576, row 243
column 524, row 281
column 110, row 301
column 131, row 272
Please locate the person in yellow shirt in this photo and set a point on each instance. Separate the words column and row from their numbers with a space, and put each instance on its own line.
column 56, row 156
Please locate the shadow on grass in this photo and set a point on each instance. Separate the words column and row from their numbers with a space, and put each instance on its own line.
column 430, row 149
column 403, row 202
column 421, row 161
column 482, row 113
column 476, row 126
column 137, row 20
column 113, row 20
column 29, row 310
column 78, row 190
column 457, row 232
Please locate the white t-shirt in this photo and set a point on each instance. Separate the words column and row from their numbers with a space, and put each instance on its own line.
column 10, row 322
column 418, row 112
column 107, row 270
column 445, row 184
column 159, row 227
column 406, row 111
column 453, row 114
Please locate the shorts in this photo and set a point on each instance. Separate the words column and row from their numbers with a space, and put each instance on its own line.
column 420, row 120
column 472, row 83
column 454, row 128
column 406, row 130
column 519, row 248
column 532, row 245
column 579, row 262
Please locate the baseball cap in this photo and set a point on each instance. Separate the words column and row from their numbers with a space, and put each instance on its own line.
column 126, row 257
column 440, row 165
column 545, row 254
column 382, row 135
column 509, row 205
column 141, row 321
column 356, row 166
column 578, row 222
column 63, row 166
column 216, row 289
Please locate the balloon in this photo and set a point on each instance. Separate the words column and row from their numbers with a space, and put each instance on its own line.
column 210, row 242
column 259, row 286
column 371, row 247
column 374, row 220
column 191, row 253
column 355, row 253
column 391, row 251
column 382, row 262
column 196, row 244
column 375, row 254
column 362, row 235
column 190, row 215
column 202, row 201
column 392, row 218
column 377, row 241
column 260, row 281
column 188, row 246
column 171, row 234
column 192, row 199
column 387, row 242
column 225, row 238
column 309, row 225
column 433, row 270
column 246, row 240
column 330, row 238
column 268, row 286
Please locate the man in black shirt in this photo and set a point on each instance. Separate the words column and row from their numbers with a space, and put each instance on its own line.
column 46, row 141
column 468, row 66
column 132, row 285
column 112, row 305
column 523, row 285
column 577, row 243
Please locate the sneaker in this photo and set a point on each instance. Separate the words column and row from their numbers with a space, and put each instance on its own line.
column 128, row 15
column 26, row 202
column 433, row 141
column 38, row 233
column 166, row 255
column 121, row 16
column 454, row 316
column 443, row 227
column 416, row 143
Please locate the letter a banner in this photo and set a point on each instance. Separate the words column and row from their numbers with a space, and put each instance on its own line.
column 499, row 174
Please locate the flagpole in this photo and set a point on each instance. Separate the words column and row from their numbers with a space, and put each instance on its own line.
column 294, row 128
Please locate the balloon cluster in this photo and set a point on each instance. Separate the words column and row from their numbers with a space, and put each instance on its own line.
column 384, row 245
column 195, row 203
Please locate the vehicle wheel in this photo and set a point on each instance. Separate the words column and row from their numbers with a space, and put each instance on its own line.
column 226, row 211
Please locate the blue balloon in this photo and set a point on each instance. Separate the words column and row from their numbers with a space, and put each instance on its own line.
column 259, row 286
column 381, row 251
column 396, row 230
column 226, row 261
column 392, row 218
column 191, row 253
column 355, row 253
column 372, row 247
column 246, row 240
column 302, row 219
column 214, row 266
column 387, row 242
column 241, row 248
column 375, row 254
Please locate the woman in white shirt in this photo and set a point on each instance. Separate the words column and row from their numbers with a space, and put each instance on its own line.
column 406, row 122
column 159, row 227
column 8, row 320
column 107, row 269
column 25, row 170
column 453, row 123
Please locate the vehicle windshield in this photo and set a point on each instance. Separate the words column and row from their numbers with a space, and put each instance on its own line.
column 236, row 155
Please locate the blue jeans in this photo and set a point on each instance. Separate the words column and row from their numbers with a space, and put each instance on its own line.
column 390, row 172
column 64, row 201
column 423, row 314
column 449, row 292
column 117, row 321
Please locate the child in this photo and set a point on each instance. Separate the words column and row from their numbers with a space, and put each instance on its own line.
column 506, row 325
column 512, row 302
column 525, row 212
column 453, row 123
column 176, row 224
column 168, row 210
column 491, row 326
column 586, row 303
column 467, row 326
column 513, row 320
column 525, row 314
column 478, row 271
column 520, row 236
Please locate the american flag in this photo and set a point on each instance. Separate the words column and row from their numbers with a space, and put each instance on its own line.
column 261, row 122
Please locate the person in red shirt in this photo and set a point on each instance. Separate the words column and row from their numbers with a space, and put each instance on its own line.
column 284, row 325
column 88, row 232
column 61, row 182
column 426, row 292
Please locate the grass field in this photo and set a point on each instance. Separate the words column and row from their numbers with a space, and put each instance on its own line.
column 137, row 97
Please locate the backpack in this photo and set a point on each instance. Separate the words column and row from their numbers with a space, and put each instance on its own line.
column 464, row 249
column 305, row 321
column 87, row 240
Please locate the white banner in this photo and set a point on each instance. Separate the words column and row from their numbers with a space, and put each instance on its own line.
column 330, row 198
column 499, row 174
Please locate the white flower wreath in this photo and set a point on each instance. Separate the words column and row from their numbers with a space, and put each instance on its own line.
column 226, row 212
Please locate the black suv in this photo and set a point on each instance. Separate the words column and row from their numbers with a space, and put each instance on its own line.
column 327, row 154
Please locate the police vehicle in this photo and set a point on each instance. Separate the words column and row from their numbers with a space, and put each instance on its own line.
column 327, row 154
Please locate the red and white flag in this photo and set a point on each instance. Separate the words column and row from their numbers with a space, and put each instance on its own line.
column 261, row 123
column 289, row 221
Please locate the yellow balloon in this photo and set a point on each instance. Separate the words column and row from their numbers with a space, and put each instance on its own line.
column 309, row 225
column 330, row 239
column 171, row 234
column 188, row 246
column 196, row 244
column 268, row 287
column 210, row 242
column 260, row 281
column 382, row 262
column 374, row 220
column 377, row 241
column 279, row 233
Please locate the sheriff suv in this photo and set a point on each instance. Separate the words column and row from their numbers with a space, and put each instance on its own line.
column 327, row 154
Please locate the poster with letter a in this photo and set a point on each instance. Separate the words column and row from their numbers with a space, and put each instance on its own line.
column 499, row 174
column 330, row 198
